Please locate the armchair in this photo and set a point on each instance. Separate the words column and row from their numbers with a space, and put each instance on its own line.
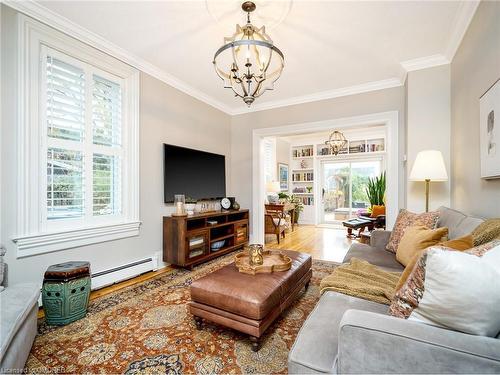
column 275, row 220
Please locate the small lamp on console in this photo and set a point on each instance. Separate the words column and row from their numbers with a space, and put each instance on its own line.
column 273, row 187
column 429, row 166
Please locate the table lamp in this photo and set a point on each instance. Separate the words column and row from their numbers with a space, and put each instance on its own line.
column 274, row 188
column 429, row 166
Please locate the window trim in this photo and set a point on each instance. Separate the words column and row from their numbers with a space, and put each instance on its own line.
column 33, row 237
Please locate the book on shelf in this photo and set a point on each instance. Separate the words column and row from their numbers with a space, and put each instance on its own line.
column 303, row 152
column 196, row 241
column 195, row 253
column 305, row 176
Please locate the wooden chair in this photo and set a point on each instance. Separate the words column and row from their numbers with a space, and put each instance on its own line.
column 275, row 220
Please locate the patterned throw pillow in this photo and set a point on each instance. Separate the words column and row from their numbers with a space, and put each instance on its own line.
column 407, row 219
column 407, row 298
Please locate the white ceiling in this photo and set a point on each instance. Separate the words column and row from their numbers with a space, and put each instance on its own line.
column 331, row 48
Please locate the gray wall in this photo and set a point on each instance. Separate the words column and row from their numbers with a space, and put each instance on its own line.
column 474, row 69
column 166, row 116
column 428, row 127
column 348, row 106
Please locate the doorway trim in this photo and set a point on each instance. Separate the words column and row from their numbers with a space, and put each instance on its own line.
column 391, row 121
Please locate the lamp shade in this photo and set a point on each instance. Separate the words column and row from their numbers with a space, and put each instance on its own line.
column 429, row 165
column 273, row 187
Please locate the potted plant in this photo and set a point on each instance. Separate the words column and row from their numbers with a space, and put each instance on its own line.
column 299, row 206
column 375, row 190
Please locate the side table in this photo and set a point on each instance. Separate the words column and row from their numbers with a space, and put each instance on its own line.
column 66, row 292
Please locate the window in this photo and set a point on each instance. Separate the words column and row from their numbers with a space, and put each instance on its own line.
column 270, row 159
column 81, row 129
column 83, row 139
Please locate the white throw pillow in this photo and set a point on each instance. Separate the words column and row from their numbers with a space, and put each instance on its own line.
column 461, row 292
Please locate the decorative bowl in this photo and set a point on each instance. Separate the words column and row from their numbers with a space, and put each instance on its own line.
column 217, row 245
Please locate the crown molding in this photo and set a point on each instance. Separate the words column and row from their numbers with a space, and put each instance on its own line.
column 323, row 95
column 424, row 62
column 461, row 23
column 52, row 19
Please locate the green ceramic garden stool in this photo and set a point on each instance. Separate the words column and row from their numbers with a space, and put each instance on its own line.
column 65, row 292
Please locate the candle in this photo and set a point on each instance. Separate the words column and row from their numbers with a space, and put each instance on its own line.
column 179, row 208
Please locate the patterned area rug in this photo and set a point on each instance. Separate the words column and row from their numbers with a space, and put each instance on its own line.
column 147, row 328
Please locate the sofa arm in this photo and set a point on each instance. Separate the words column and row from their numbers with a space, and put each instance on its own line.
column 379, row 239
column 377, row 343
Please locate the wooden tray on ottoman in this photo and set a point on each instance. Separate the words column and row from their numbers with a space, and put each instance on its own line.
column 274, row 261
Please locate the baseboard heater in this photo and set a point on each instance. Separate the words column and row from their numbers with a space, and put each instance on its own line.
column 126, row 271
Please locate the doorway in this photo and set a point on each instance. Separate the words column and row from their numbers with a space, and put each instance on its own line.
column 388, row 119
column 343, row 190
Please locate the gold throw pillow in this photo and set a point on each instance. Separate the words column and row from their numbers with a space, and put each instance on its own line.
column 459, row 244
column 417, row 238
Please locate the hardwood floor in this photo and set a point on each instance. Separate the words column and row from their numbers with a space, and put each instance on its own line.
column 322, row 243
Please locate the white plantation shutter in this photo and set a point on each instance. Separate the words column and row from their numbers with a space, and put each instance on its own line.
column 65, row 100
column 106, row 112
column 270, row 159
column 84, row 140
column 65, row 193
column 106, row 184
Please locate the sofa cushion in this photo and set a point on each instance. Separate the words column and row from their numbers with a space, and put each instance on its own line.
column 16, row 302
column 315, row 348
column 458, row 223
column 416, row 239
column 407, row 219
column 457, row 279
column 378, row 257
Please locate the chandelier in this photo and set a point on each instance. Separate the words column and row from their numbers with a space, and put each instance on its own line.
column 337, row 142
column 248, row 62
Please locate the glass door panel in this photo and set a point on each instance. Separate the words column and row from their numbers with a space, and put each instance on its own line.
column 336, row 192
column 360, row 173
column 344, row 188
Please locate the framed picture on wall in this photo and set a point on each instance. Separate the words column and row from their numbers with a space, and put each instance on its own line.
column 283, row 176
column 489, row 128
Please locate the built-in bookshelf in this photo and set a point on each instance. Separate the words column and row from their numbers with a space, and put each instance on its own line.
column 306, row 159
column 306, row 151
column 354, row 147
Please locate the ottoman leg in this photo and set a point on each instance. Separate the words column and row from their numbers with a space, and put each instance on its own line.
column 198, row 321
column 307, row 285
column 255, row 343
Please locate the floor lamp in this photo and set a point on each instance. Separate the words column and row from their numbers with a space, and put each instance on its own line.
column 429, row 166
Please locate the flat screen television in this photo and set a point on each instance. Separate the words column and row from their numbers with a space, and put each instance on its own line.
column 196, row 174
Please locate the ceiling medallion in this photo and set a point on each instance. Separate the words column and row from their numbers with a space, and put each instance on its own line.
column 337, row 142
column 248, row 62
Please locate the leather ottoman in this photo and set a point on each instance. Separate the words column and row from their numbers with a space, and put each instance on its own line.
column 248, row 303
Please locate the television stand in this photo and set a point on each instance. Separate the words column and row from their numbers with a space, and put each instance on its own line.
column 194, row 239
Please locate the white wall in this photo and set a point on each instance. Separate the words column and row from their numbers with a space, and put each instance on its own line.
column 474, row 69
column 362, row 104
column 282, row 151
column 428, row 127
column 166, row 116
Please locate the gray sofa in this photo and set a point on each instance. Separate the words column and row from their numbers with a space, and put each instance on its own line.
column 18, row 324
column 350, row 335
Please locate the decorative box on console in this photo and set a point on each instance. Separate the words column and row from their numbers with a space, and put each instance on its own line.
column 66, row 292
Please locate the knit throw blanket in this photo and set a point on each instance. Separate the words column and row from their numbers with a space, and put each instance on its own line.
column 363, row 280
column 486, row 231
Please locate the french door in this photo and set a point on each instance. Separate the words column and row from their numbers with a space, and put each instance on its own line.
column 343, row 187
